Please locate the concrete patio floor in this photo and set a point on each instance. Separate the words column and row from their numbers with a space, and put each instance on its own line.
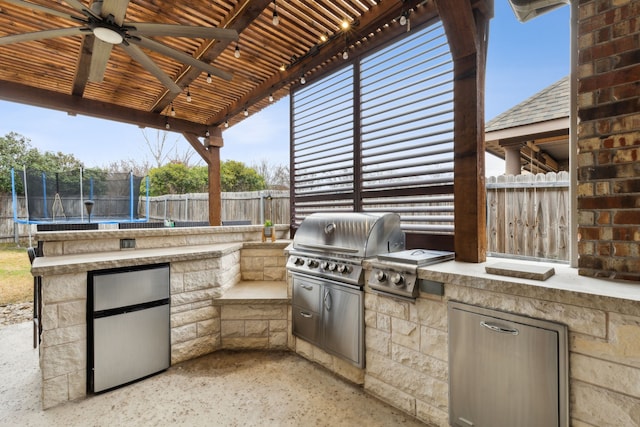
column 223, row 389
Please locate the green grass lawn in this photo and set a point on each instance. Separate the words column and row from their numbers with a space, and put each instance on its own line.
column 16, row 282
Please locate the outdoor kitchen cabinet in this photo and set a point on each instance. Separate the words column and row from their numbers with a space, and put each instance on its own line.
column 330, row 316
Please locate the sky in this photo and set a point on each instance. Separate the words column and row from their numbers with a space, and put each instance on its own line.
column 523, row 59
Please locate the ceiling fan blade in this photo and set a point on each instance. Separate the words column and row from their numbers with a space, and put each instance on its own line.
column 99, row 58
column 117, row 8
column 151, row 29
column 139, row 56
column 77, row 5
column 40, row 35
column 39, row 8
column 180, row 56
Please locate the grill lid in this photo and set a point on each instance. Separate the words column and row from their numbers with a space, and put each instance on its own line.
column 351, row 234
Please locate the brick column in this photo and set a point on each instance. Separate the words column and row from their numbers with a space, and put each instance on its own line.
column 608, row 166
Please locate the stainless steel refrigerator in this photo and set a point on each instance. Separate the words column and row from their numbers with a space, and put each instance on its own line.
column 128, row 330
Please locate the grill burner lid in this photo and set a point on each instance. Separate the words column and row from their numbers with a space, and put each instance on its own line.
column 352, row 234
column 418, row 257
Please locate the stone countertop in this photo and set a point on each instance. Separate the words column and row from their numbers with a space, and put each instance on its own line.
column 255, row 292
column 565, row 278
column 128, row 257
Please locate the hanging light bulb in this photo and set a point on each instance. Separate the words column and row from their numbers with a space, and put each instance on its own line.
column 403, row 18
column 283, row 67
column 345, row 55
column 226, row 123
column 246, row 112
column 173, row 111
column 345, row 24
column 188, row 95
column 208, row 77
column 207, row 134
column 276, row 18
column 302, row 80
column 270, row 97
column 324, row 37
column 236, row 53
column 166, row 123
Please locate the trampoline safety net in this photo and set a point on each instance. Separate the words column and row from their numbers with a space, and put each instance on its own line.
column 62, row 196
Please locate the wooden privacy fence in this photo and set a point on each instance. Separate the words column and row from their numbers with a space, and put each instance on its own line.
column 528, row 215
column 253, row 206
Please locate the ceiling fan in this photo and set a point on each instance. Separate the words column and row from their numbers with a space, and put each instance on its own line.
column 105, row 20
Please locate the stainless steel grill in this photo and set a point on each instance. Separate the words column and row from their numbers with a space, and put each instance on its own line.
column 326, row 266
column 334, row 245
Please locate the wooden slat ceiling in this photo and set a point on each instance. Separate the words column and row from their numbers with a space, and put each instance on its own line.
column 53, row 73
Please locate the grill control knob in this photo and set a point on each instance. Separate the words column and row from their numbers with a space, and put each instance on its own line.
column 312, row 263
column 381, row 276
column 332, row 266
column 346, row 269
column 298, row 261
column 324, row 265
column 397, row 279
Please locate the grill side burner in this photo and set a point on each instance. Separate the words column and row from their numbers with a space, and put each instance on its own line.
column 396, row 274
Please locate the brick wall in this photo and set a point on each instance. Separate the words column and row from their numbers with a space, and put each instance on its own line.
column 609, row 138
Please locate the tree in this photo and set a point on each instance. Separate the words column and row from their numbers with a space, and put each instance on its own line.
column 235, row 176
column 16, row 152
column 176, row 178
column 276, row 176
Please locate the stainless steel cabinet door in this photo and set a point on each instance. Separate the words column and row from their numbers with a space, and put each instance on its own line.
column 343, row 313
column 502, row 373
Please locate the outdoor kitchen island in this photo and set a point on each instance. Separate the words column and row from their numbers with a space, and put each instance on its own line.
column 205, row 262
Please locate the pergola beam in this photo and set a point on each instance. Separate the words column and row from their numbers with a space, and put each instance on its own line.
column 467, row 31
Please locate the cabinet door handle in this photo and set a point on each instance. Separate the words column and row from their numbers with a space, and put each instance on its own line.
column 306, row 315
column 327, row 301
column 500, row 329
column 307, row 287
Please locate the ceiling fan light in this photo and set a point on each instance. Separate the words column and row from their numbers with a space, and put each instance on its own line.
column 107, row 35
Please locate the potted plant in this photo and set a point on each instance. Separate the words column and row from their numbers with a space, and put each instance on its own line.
column 267, row 231
column 268, row 228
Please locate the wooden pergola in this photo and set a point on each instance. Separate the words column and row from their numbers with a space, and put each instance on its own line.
column 308, row 41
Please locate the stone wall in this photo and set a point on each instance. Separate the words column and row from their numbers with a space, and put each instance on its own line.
column 407, row 348
column 608, row 138
column 195, row 321
column 260, row 261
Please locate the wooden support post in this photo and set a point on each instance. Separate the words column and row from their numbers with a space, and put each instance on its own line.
column 210, row 152
column 467, row 31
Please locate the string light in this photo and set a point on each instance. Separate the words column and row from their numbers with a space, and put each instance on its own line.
column 173, row 111
column 166, row 123
column 207, row 134
column 276, row 18
column 283, row 67
column 226, row 123
column 345, row 55
column 324, row 37
column 345, row 24
column 188, row 95
column 208, row 77
column 302, row 80
column 246, row 112
column 236, row 53
column 270, row 97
